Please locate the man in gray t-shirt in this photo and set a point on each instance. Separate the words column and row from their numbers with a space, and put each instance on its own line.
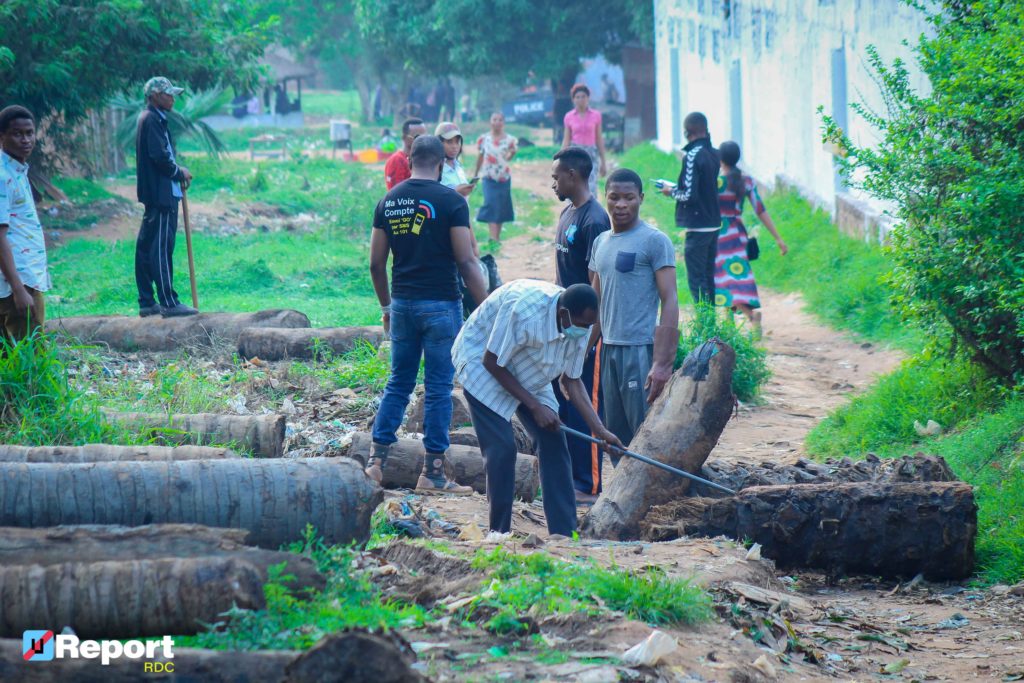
column 633, row 269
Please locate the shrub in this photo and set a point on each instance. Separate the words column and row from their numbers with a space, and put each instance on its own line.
column 953, row 163
column 751, row 361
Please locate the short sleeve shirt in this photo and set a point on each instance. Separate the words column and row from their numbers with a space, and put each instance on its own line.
column 626, row 263
column 418, row 216
column 495, row 153
column 24, row 231
column 396, row 169
column 574, row 241
column 517, row 323
column 453, row 175
column 582, row 129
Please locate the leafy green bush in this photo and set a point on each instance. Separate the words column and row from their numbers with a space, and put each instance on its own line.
column 952, row 160
column 751, row 360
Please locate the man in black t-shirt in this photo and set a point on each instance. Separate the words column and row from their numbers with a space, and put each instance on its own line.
column 582, row 220
column 424, row 227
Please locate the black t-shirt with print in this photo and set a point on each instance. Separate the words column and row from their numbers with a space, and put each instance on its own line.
column 577, row 230
column 417, row 216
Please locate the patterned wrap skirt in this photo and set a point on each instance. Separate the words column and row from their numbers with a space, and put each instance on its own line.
column 734, row 279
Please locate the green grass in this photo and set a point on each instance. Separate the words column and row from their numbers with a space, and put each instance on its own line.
column 751, row 371
column 83, row 191
column 337, row 104
column 540, row 584
column 840, row 278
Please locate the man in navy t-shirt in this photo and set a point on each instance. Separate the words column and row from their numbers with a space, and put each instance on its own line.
column 582, row 220
column 424, row 227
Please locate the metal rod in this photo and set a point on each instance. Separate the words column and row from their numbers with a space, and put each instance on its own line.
column 649, row 461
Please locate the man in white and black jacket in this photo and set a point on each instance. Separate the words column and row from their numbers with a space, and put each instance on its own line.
column 697, row 211
column 160, row 182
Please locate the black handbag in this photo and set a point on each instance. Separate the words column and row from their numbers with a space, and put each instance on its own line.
column 753, row 250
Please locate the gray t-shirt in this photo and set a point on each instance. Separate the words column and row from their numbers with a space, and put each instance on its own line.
column 626, row 263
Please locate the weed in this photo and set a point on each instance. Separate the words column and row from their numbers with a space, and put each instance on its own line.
column 751, row 370
column 362, row 368
column 539, row 583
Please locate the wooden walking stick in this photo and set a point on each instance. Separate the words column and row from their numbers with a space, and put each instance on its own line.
column 188, row 247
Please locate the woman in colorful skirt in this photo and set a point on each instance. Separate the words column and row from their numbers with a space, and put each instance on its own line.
column 735, row 287
column 495, row 150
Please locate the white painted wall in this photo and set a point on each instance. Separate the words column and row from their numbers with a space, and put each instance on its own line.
column 785, row 53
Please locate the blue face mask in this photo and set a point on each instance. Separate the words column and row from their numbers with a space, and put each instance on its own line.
column 573, row 331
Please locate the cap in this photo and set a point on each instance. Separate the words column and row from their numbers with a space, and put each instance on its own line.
column 447, row 131
column 160, row 84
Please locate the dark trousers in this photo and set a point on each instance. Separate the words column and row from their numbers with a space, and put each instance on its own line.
column 498, row 445
column 699, row 252
column 586, row 457
column 154, row 251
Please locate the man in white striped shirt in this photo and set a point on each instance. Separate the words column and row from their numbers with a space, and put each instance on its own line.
column 522, row 337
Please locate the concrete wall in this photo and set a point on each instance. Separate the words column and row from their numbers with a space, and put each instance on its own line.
column 759, row 70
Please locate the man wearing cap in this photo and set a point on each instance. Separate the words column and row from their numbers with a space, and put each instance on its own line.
column 160, row 182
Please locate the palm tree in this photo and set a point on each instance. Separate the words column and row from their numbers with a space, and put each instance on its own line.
column 182, row 123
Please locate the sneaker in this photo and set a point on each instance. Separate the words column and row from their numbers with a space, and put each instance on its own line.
column 177, row 311
column 583, row 499
column 146, row 311
column 441, row 486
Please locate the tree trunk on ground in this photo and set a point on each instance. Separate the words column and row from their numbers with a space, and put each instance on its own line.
column 262, row 435
column 273, row 499
column 126, row 598
column 209, row 666
column 405, row 461
column 738, row 474
column 461, row 420
column 356, row 656
column 681, row 428
column 867, row 528
column 102, row 452
column 126, row 333
column 81, row 544
column 277, row 343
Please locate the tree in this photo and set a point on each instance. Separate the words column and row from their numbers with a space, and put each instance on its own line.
column 952, row 160
column 61, row 58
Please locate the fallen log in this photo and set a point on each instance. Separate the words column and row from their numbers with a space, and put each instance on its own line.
column 101, row 452
column 462, row 421
column 738, row 474
column 261, row 435
column 680, row 429
column 124, row 599
column 357, row 656
column 273, row 499
column 868, row 528
column 279, row 343
column 405, row 461
column 188, row 665
column 128, row 333
column 94, row 543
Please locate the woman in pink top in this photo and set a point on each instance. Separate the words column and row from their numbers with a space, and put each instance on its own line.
column 583, row 129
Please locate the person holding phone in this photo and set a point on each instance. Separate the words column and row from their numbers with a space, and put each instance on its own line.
column 453, row 175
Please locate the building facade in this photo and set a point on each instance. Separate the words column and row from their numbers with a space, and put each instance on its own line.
column 761, row 69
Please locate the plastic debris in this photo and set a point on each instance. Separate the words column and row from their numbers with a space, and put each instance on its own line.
column 652, row 650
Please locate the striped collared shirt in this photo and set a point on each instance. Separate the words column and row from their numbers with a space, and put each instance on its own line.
column 518, row 324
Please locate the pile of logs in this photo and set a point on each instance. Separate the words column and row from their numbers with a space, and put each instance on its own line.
column 890, row 518
column 128, row 333
column 281, row 343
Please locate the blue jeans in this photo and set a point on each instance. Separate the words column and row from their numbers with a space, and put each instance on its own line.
column 420, row 329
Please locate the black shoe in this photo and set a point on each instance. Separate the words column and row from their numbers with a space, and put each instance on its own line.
column 146, row 311
column 177, row 311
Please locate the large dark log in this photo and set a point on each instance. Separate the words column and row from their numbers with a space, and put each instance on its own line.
column 681, row 428
column 188, row 666
column 100, row 452
column 357, row 656
column 405, row 460
column 93, row 543
column 126, row 598
column 869, row 528
column 739, row 474
column 273, row 499
column 127, row 333
column 262, row 435
column 277, row 343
